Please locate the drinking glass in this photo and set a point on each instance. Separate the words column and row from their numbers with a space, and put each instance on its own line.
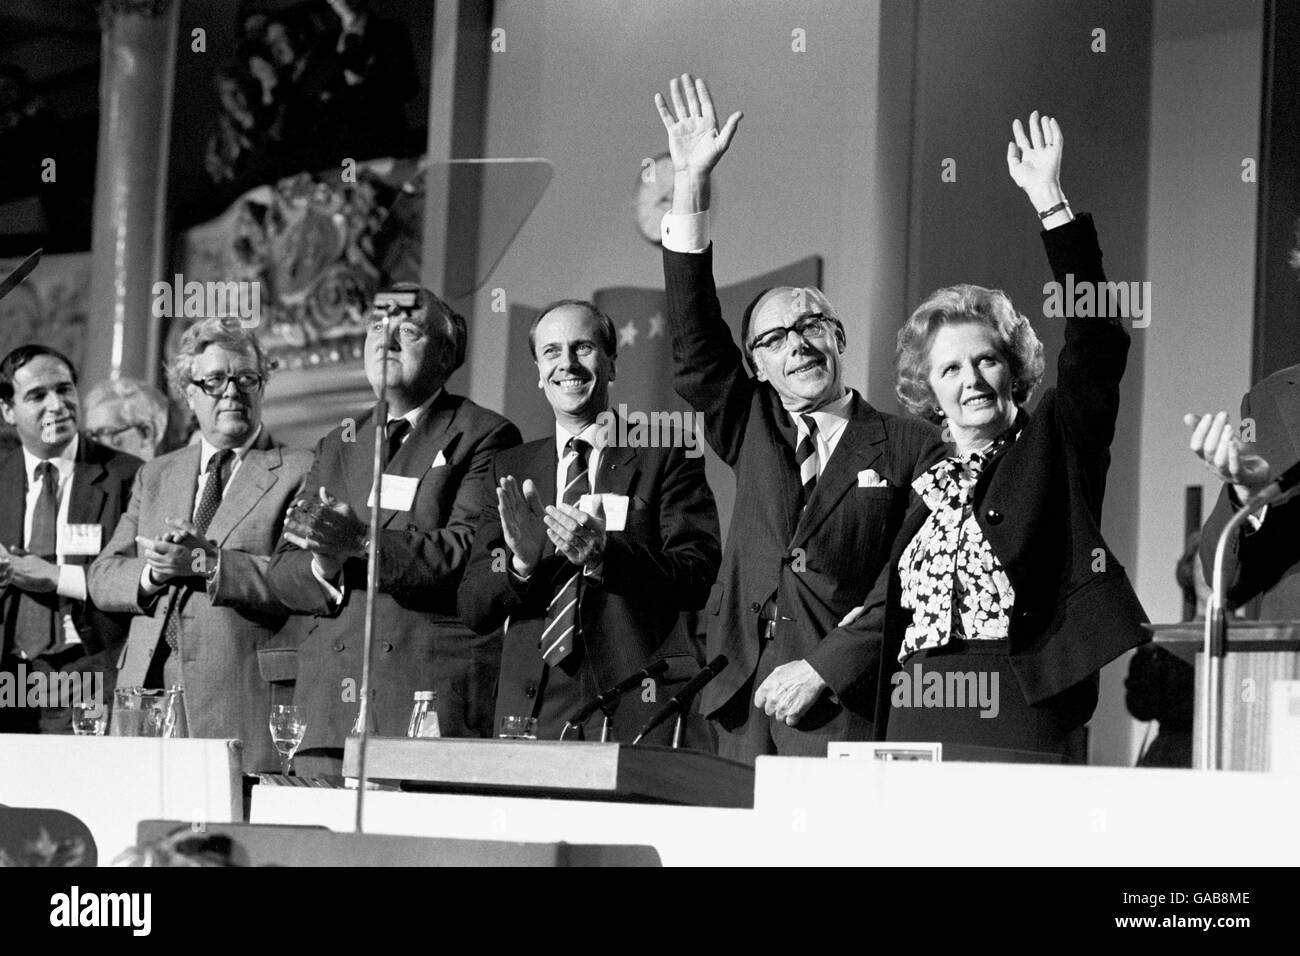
column 89, row 718
column 288, row 726
column 518, row 728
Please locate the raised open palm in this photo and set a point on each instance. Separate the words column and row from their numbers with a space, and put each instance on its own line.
column 1034, row 160
column 694, row 141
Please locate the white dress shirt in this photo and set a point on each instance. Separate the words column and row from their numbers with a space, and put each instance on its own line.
column 831, row 420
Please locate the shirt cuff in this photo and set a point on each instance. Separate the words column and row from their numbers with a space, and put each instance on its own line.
column 335, row 594
column 148, row 586
column 594, row 572
column 1253, row 521
column 72, row 582
column 686, row 232
column 1256, row 521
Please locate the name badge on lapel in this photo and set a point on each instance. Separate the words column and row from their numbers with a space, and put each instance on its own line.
column 396, row 493
column 81, row 539
column 615, row 509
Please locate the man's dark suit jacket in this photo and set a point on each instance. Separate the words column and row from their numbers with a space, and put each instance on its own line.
column 101, row 490
column 820, row 564
column 420, row 643
column 663, row 563
column 1038, row 504
column 1265, row 562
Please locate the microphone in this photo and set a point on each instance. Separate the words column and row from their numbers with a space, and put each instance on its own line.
column 1279, row 488
column 606, row 697
column 684, row 697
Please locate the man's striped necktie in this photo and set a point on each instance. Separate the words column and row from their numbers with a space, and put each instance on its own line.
column 805, row 456
column 562, row 632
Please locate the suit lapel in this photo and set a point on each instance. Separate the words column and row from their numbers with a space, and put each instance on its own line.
column 1288, row 403
column 542, row 470
column 858, row 449
column 416, row 456
column 617, row 468
column 255, row 476
column 87, row 501
column 784, row 438
column 12, row 515
column 178, row 486
column 359, row 462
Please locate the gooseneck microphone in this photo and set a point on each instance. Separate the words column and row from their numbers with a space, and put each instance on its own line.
column 679, row 704
column 1280, row 487
column 607, row 697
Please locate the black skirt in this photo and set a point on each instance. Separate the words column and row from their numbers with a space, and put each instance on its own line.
column 965, row 695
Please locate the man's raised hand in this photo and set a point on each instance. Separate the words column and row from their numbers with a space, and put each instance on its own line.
column 694, row 141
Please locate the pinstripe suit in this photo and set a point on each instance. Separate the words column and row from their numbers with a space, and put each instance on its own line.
column 818, row 562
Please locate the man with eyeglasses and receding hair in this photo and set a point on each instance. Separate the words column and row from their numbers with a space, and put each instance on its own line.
column 823, row 480
column 63, row 496
column 189, row 558
column 439, row 449
column 127, row 414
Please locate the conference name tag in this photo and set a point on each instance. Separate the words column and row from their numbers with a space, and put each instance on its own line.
column 615, row 509
column 396, row 493
column 81, row 539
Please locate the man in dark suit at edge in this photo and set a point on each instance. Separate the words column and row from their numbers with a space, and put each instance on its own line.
column 65, row 494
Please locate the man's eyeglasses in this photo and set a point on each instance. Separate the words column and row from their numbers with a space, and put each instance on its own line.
column 814, row 326
column 215, row 385
column 408, row 333
column 105, row 435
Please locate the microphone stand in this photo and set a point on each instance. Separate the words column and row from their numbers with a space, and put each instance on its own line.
column 372, row 578
column 606, row 726
column 1216, row 642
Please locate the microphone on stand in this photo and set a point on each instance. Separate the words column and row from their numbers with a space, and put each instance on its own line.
column 1276, row 491
column 1216, row 618
column 390, row 306
column 608, row 698
column 679, row 704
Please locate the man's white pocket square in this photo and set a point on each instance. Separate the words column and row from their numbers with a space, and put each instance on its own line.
column 438, row 460
column 870, row 478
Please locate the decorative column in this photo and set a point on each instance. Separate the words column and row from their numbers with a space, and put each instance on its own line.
column 137, row 72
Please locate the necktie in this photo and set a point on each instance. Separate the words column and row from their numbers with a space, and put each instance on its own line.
column 397, row 429
column 209, row 501
column 38, row 617
column 805, row 456
column 562, row 630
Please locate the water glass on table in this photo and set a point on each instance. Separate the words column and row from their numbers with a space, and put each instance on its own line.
column 288, row 725
column 518, row 728
column 89, row 718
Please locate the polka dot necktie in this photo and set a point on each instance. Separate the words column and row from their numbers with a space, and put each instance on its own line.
column 209, row 502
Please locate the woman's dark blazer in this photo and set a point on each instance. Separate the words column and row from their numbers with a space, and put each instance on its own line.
column 1039, row 505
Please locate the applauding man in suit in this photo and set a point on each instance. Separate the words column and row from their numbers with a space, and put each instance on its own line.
column 189, row 558
column 822, row 478
column 63, row 496
column 439, row 449
column 593, row 593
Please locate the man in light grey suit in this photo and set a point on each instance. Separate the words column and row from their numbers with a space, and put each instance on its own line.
column 189, row 557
